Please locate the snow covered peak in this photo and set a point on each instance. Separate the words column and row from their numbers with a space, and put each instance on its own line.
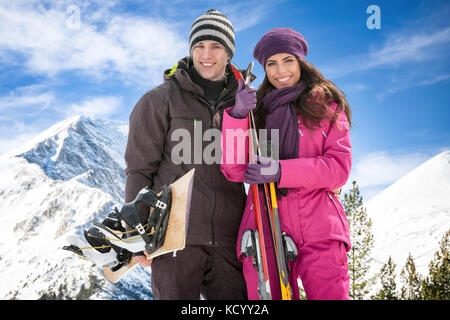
column 412, row 215
column 55, row 186
column 433, row 175
column 90, row 151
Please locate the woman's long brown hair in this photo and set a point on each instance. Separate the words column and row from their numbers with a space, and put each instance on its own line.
column 313, row 103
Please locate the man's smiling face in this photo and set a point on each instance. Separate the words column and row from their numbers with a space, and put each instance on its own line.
column 210, row 60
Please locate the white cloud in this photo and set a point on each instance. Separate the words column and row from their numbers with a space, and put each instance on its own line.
column 20, row 106
column 10, row 143
column 247, row 14
column 49, row 37
column 376, row 171
column 39, row 97
column 132, row 46
column 96, row 107
column 18, row 125
column 410, row 80
column 400, row 48
column 436, row 79
column 382, row 168
column 42, row 100
column 409, row 47
column 355, row 87
column 14, row 133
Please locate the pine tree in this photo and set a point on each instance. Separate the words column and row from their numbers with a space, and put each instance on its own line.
column 388, row 285
column 362, row 243
column 437, row 285
column 412, row 282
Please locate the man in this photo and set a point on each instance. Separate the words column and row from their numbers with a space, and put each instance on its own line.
column 194, row 93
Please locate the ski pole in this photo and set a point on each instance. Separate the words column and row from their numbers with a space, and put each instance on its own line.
column 260, row 256
column 286, row 291
column 265, row 292
column 274, row 224
column 272, row 210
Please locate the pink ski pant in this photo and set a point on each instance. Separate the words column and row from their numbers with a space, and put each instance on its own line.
column 321, row 266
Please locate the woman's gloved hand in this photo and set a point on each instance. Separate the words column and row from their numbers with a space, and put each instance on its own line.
column 244, row 102
column 265, row 170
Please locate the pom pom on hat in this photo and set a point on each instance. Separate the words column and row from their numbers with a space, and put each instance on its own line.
column 280, row 40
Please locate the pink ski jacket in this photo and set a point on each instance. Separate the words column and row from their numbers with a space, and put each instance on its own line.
column 310, row 211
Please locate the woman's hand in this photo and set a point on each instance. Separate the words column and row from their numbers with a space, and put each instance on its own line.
column 244, row 102
column 265, row 170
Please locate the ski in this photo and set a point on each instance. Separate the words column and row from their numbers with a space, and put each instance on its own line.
column 264, row 283
column 252, row 242
column 275, row 228
column 273, row 217
column 283, row 271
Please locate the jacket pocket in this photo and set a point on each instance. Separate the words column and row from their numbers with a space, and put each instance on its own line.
column 187, row 118
column 340, row 210
column 188, row 123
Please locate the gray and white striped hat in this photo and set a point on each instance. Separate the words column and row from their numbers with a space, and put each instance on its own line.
column 213, row 26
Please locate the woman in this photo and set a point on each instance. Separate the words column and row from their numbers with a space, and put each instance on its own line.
column 313, row 118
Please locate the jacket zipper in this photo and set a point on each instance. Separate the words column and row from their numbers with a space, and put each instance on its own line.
column 335, row 206
column 212, row 112
column 300, row 131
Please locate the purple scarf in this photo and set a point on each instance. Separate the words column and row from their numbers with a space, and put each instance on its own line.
column 281, row 114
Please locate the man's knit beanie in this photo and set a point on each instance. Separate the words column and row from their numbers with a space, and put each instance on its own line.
column 280, row 40
column 213, row 26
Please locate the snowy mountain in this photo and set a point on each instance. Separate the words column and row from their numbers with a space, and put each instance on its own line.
column 412, row 215
column 72, row 173
column 52, row 187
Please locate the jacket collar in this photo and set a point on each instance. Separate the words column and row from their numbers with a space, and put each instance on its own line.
column 179, row 73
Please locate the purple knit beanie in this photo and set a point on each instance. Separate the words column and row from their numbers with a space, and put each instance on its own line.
column 280, row 40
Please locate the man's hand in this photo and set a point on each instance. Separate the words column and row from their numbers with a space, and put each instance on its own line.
column 337, row 193
column 142, row 260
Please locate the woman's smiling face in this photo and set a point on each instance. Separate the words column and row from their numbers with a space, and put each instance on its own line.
column 283, row 70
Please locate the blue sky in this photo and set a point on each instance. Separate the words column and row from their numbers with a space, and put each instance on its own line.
column 97, row 58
